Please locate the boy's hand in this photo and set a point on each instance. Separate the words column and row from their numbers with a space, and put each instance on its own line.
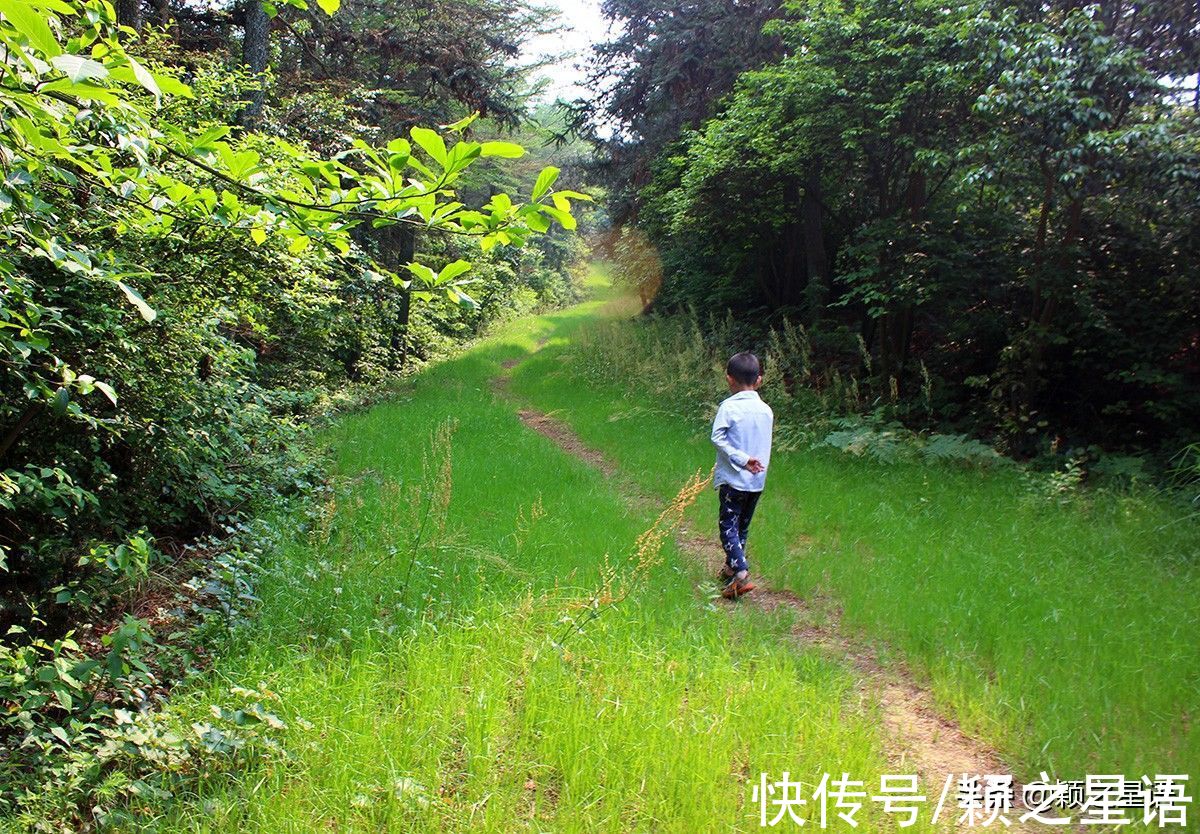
column 755, row 466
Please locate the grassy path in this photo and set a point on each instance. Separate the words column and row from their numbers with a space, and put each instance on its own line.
column 477, row 633
column 1061, row 630
column 431, row 638
column 919, row 739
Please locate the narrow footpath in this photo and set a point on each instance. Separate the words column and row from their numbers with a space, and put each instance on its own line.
column 920, row 739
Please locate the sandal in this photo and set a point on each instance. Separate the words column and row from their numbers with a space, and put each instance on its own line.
column 736, row 589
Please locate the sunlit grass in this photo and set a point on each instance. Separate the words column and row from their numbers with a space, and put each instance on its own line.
column 1064, row 633
column 479, row 726
column 420, row 674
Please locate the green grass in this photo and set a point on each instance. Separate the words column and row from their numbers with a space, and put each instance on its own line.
column 422, row 684
column 1066, row 635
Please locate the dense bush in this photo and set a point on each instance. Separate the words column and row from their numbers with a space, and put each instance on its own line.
column 681, row 357
column 88, row 735
column 181, row 294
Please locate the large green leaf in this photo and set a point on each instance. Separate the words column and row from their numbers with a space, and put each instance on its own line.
column 432, row 143
column 107, row 390
column 144, row 78
column 462, row 299
column 462, row 155
column 545, row 179
column 422, row 273
column 78, row 68
column 135, row 298
column 462, row 124
column 204, row 142
column 504, row 150
column 172, row 86
column 563, row 217
column 452, row 270
column 83, row 91
column 56, row 6
column 29, row 23
column 160, row 84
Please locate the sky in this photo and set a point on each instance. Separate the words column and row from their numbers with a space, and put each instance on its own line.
column 583, row 25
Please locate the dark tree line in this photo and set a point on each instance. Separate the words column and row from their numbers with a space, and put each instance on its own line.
column 997, row 202
column 665, row 72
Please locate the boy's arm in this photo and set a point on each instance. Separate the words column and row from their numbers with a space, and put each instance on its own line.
column 720, row 439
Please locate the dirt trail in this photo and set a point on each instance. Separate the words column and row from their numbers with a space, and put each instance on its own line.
column 920, row 739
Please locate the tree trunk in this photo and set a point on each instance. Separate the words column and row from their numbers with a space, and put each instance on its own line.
column 816, row 258
column 896, row 325
column 894, row 336
column 255, row 53
column 129, row 13
column 903, row 340
column 11, row 437
column 162, row 13
column 397, row 247
column 915, row 196
column 1039, row 241
column 1043, row 301
column 767, row 277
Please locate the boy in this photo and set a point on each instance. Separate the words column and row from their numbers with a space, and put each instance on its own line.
column 742, row 434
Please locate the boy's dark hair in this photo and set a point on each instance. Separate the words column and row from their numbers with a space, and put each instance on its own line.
column 744, row 367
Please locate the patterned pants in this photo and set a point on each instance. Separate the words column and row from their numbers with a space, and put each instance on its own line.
column 733, row 522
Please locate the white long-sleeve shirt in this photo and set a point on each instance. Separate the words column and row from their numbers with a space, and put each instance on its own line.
column 741, row 431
